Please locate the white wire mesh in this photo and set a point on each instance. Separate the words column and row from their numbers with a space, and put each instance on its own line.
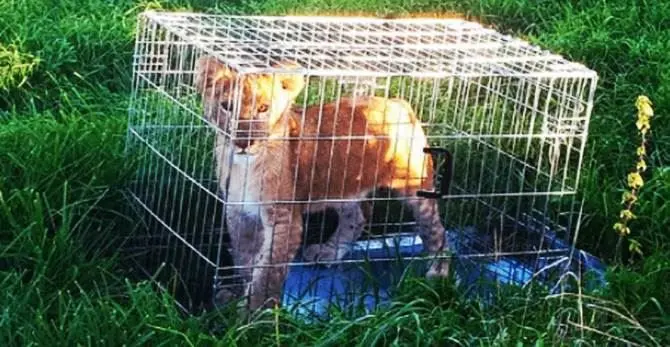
column 513, row 117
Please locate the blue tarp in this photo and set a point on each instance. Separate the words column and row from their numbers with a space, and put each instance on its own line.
column 311, row 289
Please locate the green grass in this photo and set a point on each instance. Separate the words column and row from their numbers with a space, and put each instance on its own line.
column 64, row 84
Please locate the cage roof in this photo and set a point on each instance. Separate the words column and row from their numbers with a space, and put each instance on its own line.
column 354, row 46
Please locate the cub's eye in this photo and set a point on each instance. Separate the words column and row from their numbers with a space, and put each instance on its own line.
column 263, row 108
column 228, row 106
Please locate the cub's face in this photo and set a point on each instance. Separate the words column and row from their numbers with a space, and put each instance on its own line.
column 245, row 105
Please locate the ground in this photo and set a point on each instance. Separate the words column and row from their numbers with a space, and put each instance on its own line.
column 64, row 86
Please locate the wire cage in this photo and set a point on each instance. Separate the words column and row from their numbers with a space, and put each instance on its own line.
column 484, row 133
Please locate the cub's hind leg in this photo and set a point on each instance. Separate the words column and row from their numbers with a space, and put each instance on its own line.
column 432, row 232
column 425, row 211
column 414, row 171
column 349, row 228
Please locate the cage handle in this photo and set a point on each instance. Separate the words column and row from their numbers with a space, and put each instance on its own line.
column 446, row 174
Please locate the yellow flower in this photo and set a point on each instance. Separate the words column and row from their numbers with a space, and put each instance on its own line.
column 643, row 105
column 635, row 247
column 626, row 215
column 621, row 229
column 642, row 99
column 628, row 197
column 646, row 111
column 641, row 151
column 641, row 166
column 643, row 125
column 635, row 180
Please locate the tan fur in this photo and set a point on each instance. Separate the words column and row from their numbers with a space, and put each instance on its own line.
column 365, row 143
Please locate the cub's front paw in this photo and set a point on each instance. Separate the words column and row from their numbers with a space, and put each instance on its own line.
column 439, row 269
column 225, row 296
column 321, row 252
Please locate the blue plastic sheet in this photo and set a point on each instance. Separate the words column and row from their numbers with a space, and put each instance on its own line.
column 311, row 289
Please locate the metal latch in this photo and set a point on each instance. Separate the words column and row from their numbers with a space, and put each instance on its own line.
column 445, row 176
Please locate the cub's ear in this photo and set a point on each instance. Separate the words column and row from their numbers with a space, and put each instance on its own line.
column 209, row 71
column 293, row 83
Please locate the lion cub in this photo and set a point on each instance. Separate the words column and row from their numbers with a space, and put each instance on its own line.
column 280, row 161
